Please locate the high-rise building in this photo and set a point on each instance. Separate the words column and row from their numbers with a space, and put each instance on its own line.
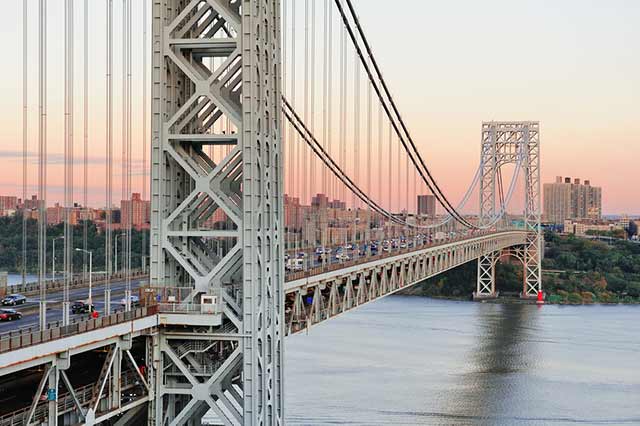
column 31, row 203
column 320, row 201
column 291, row 212
column 8, row 202
column 564, row 199
column 427, row 205
column 140, row 211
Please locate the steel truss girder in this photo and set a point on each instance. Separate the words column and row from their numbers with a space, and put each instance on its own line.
column 504, row 143
column 89, row 404
column 316, row 299
column 217, row 60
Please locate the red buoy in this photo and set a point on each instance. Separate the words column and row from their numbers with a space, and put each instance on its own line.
column 540, row 299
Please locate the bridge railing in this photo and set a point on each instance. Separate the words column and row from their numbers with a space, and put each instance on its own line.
column 185, row 308
column 32, row 288
column 329, row 267
column 18, row 339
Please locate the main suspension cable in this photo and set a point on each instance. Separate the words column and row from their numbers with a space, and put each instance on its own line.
column 408, row 144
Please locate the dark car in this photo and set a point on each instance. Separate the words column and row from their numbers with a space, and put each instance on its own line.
column 80, row 307
column 14, row 299
column 9, row 315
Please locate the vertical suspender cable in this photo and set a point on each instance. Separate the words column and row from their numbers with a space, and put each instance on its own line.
column 368, row 166
column 293, row 137
column 341, row 160
column 343, row 109
column 379, row 162
column 325, row 52
column 286, row 143
column 312, row 159
column 68, row 159
column 325, row 135
column 356, row 143
column 145, row 179
column 85, row 195
column 406, row 171
column 312, row 87
column 128, row 144
column 305, row 157
column 398, row 177
column 109, row 161
column 389, row 165
column 42, row 161
column 25, row 148
column 124, row 213
column 329, row 50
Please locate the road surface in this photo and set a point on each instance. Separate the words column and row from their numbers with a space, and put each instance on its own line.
column 54, row 313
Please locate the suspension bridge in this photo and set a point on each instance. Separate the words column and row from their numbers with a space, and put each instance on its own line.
column 249, row 108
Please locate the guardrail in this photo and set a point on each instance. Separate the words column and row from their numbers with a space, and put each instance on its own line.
column 32, row 288
column 329, row 267
column 26, row 337
column 185, row 308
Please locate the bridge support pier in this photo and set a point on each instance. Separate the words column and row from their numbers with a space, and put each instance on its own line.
column 52, row 385
column 486, row 283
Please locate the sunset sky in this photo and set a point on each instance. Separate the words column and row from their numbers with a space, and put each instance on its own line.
column 573, row 65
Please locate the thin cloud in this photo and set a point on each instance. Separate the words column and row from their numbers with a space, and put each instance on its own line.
column 54, row 158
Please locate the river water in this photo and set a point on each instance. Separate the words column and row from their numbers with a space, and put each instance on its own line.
column 13, row 279
column 410, row 360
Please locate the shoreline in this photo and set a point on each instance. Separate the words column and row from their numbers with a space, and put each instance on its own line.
column 517, row 301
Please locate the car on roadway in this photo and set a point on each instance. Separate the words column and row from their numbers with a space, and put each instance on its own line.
column 14, row 299
column 342, row 256
column 135, row 301
column 9, row 315
column 294, row 265
column 81, row 307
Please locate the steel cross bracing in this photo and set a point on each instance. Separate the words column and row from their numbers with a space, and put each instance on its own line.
column 512, row 143
column 216, row 71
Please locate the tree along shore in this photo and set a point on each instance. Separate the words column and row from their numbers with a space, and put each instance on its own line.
column 11, row 245
column 575, row 271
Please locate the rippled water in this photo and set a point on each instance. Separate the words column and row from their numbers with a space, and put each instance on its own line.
column 412, row 360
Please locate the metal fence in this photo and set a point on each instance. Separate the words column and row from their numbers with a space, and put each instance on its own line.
column 32, row 288
column 329, row 267
column 30, row 336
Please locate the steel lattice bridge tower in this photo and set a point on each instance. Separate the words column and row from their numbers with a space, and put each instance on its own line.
column 205, row 79
column 511, row 143
column 209, row 334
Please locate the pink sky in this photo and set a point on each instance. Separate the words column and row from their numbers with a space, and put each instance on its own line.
column 573, row 66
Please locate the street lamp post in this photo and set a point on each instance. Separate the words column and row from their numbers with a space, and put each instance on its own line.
column 53, row 258
column 90, row 253
column 116, row 254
